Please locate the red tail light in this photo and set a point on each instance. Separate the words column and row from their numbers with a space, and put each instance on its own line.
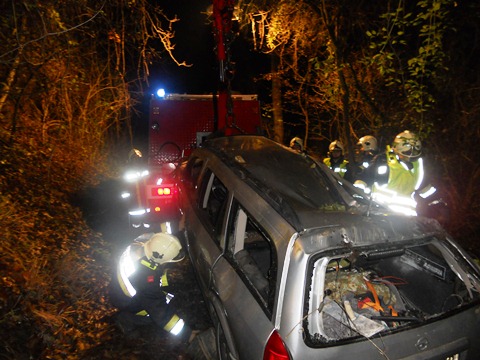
column 275, row 349
column 161, row 191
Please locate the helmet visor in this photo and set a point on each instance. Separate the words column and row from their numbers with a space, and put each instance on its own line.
column 407, row 144
column 411, row 149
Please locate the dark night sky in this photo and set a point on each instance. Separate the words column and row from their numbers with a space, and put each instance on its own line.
column 195, row 45
column 193, row 39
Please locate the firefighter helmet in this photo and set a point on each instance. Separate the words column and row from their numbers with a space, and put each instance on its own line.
column 296, row 141
column 407, row 144
column 163, row 248
column 336, row 145
column 134, row 155
column 368, row 143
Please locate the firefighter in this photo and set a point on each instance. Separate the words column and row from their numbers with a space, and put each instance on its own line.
column 365, row 151
column 336, row 160
column 143, row 276
column 297, row 144
column 398, row 175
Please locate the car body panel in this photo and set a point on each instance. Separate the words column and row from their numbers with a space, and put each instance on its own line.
column 427, row 342
column 268, row 206
column 248, row 329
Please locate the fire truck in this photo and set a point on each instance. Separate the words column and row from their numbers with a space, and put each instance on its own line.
column 178, row 123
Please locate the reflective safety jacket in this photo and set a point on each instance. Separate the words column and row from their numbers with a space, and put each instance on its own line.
column 340, row 167
column 397, row 182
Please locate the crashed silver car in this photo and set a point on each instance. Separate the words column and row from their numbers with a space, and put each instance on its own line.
column 295, row 263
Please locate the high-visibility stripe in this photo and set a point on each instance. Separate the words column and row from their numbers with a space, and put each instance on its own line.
column 178, row 327
column 126, row 268
column 149, row 265
column 428, row 191
column 168, row 297
column 421, row 173
column 382, row 169
column 164, row 279
column 394, row 201
column 174, row 325
column 142, row 313
column 163, row 227
column 125, row 285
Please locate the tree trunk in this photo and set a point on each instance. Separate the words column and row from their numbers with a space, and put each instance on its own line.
column 278, row 131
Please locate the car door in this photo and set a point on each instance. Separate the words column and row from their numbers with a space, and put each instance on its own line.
column 238, row 286
column 244, row 279
column 204, row 224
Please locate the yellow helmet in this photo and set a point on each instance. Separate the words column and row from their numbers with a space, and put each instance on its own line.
column 163, row 248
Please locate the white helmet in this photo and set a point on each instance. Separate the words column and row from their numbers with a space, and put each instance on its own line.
column 134, row 154
column 336, row 145
column 407, row 144
column 368, row 143
column 163, row 248
column 296, row 141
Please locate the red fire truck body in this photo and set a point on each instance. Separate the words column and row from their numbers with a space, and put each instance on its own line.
column 177, row 125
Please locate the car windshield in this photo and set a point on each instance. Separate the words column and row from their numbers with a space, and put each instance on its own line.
column 375, row 290
column 288, row 176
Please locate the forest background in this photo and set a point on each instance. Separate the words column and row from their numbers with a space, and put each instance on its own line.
column 74, row 74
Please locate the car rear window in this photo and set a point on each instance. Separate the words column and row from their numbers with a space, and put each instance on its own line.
column 376, row 290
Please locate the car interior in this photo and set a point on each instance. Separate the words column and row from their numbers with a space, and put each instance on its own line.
column 370, row 291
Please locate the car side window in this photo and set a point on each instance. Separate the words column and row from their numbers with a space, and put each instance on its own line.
column 213, row 203
column 192, row 171
column 250, row 249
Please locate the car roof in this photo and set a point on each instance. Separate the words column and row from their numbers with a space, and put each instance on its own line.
column 305, row 192
column 352, row 230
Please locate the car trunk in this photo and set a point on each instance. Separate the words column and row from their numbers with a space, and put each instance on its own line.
column 415, row 292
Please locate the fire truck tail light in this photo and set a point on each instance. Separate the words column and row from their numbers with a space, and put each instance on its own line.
column 161, row 191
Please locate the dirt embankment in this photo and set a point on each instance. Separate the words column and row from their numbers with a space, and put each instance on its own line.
column 55, row 274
